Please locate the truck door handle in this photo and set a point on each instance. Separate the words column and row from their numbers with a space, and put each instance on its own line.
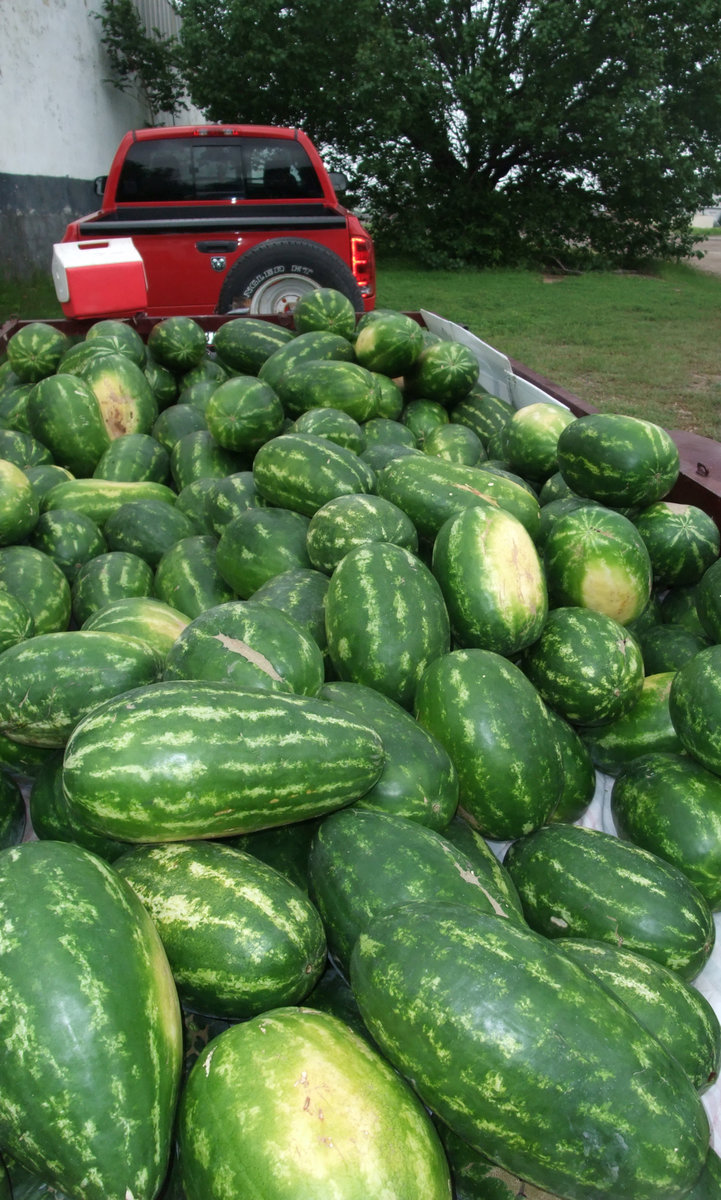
column 216, row 247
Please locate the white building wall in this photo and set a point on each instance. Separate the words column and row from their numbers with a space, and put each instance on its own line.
column 61, row 119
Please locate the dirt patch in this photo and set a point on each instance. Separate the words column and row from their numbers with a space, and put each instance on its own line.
column 711, row 261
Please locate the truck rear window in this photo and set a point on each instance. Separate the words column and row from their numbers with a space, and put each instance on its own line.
column 217, row 169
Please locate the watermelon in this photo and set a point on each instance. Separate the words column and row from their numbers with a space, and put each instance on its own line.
column 134, row 456
column 69, row 537
column 124, row 396
column 424, row 417
column 197, row 455
column 258, row 544
column 52, row 819
column 482, row 412
column 299, row 592
column 530, row 439
column 317, row 345
column 617, row 459
column 495, row 727
column 533, row 1050
column 285, row 848
column 35, row 350
column 112, row 332
column 443, row 371
column 259, row 941
column 228, row 497
column 491, row 578
column 578, row 785
column 250, row 760
column 668, row 647
column 16, row 623
column 141, row 617
column 325, row 308
column 682, row 541
column 704, row 603
column 343, row 1121
column 670, row 804
column 388, row 431
column 242, row 344
column 19, row 506
column 579, row 882
column 249, row 645
column 177, row 343
column 146, row 528
column 672, row 1010
column 585, row 665
column 390, row 344
column 91, row 1068
column 301, row 471
column 33, row 578
column 48, row 682
column 645, row 729
column 694, row 704
column 12, row 811
column 456, row 443
column 175, row 421
column 418, row 780
column 595, row 557
column 389, row 397
column 109, row 576
column 23, row 449
column 351, row 520
column 364, row 863
column 188, row 577
column 386, row 619
column 99, row 498
column 242, row 413
column 163, row 383
column 327, row 383
column 334, row 424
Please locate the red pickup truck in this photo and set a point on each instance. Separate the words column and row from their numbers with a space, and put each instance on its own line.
column 225, row 218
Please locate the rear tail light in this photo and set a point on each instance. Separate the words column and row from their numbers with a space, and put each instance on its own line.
column 362, row 263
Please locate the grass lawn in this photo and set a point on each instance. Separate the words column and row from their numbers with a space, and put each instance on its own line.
column 648, row 344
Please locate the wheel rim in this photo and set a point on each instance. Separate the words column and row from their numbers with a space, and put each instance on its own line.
column 280, row 295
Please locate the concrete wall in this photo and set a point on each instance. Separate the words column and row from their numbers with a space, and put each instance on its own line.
column 61, row 123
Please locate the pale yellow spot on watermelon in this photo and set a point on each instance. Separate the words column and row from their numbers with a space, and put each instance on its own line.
column 610, row 591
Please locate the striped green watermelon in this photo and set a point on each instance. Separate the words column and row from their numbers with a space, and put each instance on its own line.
column 124, row 396
column 595, row 558
column 530, row 439
column 146, row 528
column 69, row 537
column 672, row 1010
column 134, row 456
column 48, row 682
column 143, row 617
column 344, row 1123
column 538, row 1065
column 302, row 471
column 90, row 1025
column 120, row 335
column 388, row 431
column 259, row 544
column 299, row 592
column 175, row 421
column 23, row 449
column 334, row 424
column 389, row 344
column 16, row 623
column 363, row 864
column 197, row 455
column 285, row 848
column 188, row 577
column 242, row 413
column 418, row 780
column 33, row 578
column 248, row 645
column 443, row 371
column 585, row 665
column 64, row 413
column 227, row 762
column 646, row 728
column 704, row 603
column 52, row 819
column 325, row 308
column 389, row 397
column 351, row 520
column 456, row 443
column 12, row 811
column 617, row 459
column 423, row 417
column 19, row 506
column 682, row 541
column 695, row 707
column 177, row 343
column 328, row 383
column 580, row 882
column 491, row 578
column 668, row 647
column 242, row 344
column 578, row 785
column 228, row 497
column 240, row 938
column 670, row 804
column 35, row 349
column 317, row 345
column 106, row 577
column 482, row 412
column 495, row 727
column 386, row 619
column 98, row 498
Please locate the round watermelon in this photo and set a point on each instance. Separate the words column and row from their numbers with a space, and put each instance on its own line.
column 177, row 343
column 530, row 439
column 19, row 506
column 35, row 350
column 682, row 541
column 390, row 344
column 443, row 371
column 695, row 706
column 325, row 308
column 617, row 459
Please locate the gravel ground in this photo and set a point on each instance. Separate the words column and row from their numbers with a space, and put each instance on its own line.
column 711, row 261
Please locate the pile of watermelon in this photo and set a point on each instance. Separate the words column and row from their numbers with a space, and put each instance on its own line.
column 312, row 656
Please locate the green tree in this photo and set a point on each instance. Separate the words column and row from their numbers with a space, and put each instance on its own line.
column 144, row 62
column 480, row 131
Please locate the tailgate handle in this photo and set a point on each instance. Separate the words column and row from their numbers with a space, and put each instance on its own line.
column 216, row 247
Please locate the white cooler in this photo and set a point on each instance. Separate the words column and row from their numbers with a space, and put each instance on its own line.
column 104, row 278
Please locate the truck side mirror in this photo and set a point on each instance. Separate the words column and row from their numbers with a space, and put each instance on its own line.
column 99, row 184
column 338, row 180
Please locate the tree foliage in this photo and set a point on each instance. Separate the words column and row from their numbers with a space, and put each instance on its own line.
column 479, row 131
column 144, row 62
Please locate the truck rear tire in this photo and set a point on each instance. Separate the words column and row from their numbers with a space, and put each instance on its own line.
column 271, row 278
